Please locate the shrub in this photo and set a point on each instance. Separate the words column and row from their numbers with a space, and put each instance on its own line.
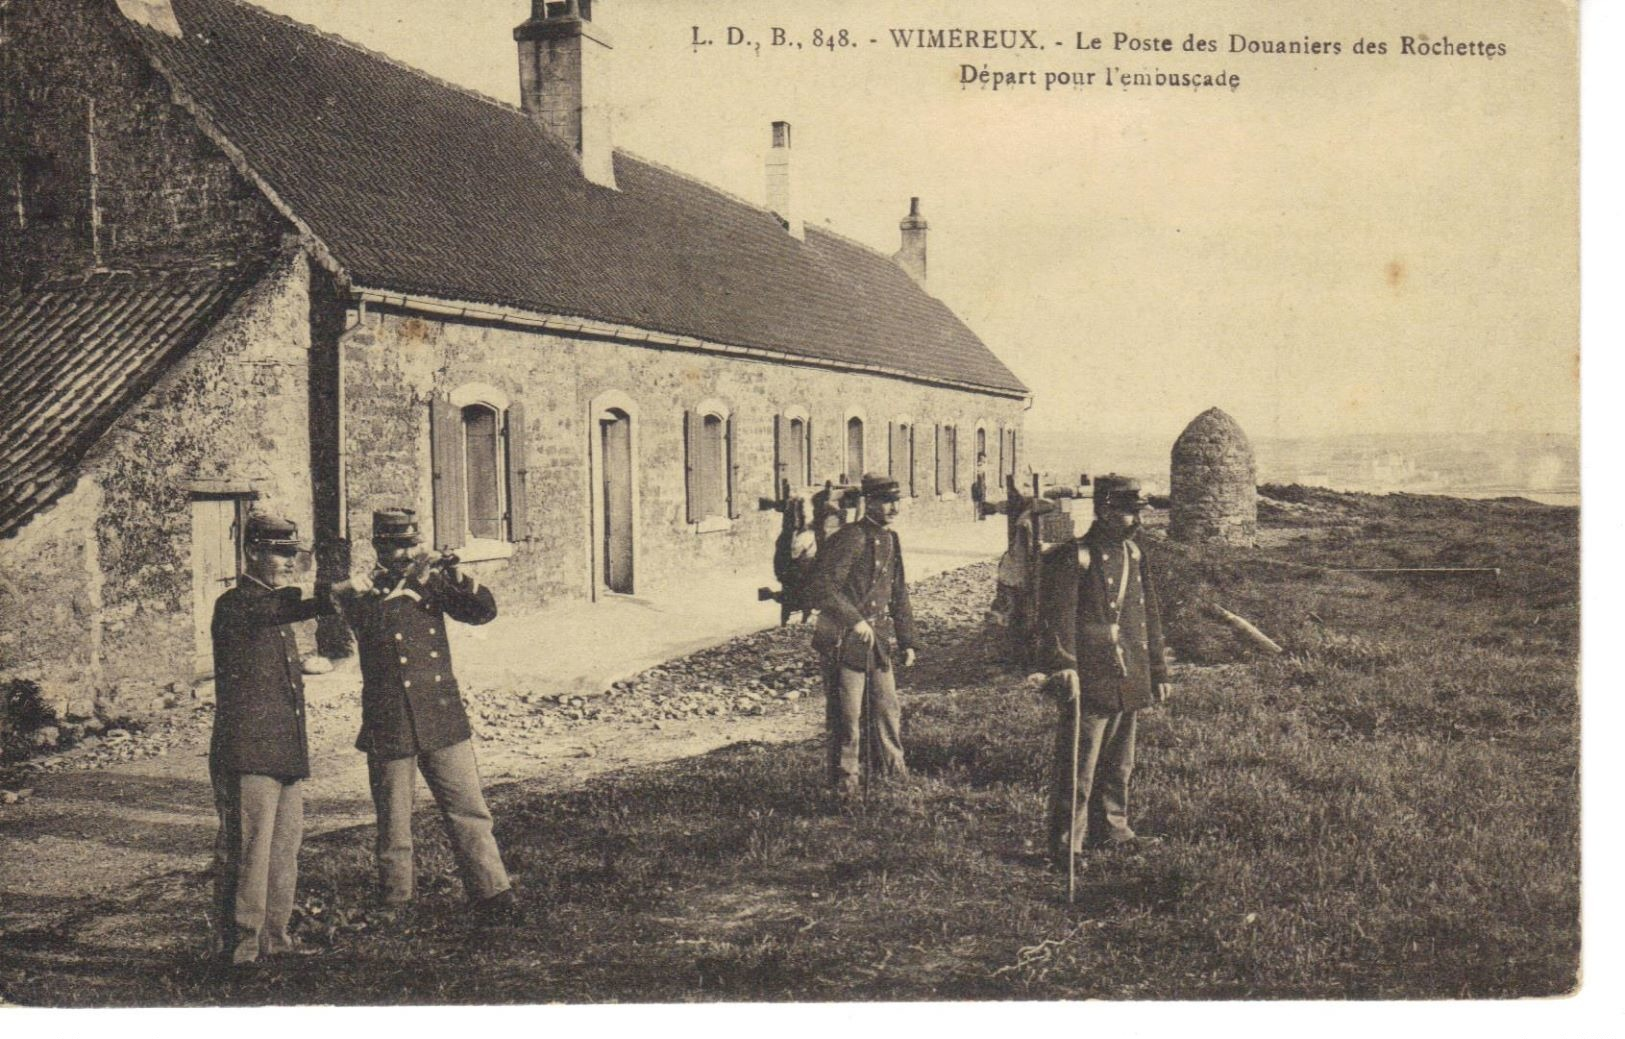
column 23, row 711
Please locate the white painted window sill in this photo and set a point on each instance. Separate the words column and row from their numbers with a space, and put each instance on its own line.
column 713, row 525
column 483, row 550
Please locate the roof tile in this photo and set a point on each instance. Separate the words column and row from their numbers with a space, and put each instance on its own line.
column 419, row 187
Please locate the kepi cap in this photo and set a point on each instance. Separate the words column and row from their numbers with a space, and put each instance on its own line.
column 880, row 488
column 271, row 531
column 1114, row 491
column 396, row 526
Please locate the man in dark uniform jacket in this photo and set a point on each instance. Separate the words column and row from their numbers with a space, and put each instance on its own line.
column 412, row 715
column 1101, row 634
column 258, row 755
column 862, row 597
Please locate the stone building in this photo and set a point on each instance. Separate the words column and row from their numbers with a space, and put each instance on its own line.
column 248, row 263
column 1213, row 482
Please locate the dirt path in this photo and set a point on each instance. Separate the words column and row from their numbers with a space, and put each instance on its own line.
column 88, row 834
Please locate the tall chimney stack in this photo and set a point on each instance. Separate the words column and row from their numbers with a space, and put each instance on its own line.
column 912, row 254
column 780, row 196
column 564, row 81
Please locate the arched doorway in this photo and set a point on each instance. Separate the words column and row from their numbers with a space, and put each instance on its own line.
column 617, row 520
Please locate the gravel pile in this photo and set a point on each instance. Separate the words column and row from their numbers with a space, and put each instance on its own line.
column 767, row 672
column 750, row 676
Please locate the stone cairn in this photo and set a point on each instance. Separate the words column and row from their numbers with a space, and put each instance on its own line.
column 1213, row 482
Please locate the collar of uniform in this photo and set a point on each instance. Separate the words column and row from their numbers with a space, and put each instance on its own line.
column 403, row 589
column 873, row 526
column 250, row 577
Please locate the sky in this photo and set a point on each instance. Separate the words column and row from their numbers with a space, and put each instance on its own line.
column 1344, row 244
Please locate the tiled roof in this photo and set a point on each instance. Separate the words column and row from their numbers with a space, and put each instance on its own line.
column 75, row 351
column 422, row 188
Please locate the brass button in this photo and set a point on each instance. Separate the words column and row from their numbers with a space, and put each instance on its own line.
column 398, row 636
column 403, row 660
column 407, row 684
column 434, row 653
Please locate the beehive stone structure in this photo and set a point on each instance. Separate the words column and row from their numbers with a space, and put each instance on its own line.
column 1213, row 482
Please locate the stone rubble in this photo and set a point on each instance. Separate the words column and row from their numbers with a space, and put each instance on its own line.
column 767, row 672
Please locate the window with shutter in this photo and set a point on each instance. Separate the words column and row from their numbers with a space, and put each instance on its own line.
column 478, row 448
column 854, row 449
column 712, row 465
column 800, row 453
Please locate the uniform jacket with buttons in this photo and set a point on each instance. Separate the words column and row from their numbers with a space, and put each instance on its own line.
column 410, row 703
column 1080, row 584
column 859, row 576
column 259, row 716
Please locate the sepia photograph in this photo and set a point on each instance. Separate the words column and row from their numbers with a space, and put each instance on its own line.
column 584, row 502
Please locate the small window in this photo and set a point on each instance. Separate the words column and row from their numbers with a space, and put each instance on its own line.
column 712, row 485
column 483, row 464
column 792, row 451
column 854, row 449
column 800, row 451
column 478, row 441
column 902, row 457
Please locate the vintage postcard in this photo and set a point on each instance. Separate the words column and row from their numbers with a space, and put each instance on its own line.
column 535, row 502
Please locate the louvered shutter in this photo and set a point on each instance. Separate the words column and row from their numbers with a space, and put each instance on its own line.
column 781, row 467
column 913, row 462
column 446, row 449
column 731, row 456
column 518, row 470
column 691, row 463
column 937, row 458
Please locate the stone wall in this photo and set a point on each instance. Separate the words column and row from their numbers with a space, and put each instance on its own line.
column 395, row 362
column 96, row 592
column 1213, row 482
column 70, row 70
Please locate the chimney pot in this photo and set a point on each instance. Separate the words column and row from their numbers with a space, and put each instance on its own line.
column 780, row 195
column 912, row 254
column 564, row 81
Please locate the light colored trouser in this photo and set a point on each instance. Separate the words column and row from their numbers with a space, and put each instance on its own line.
column 256, row 856
column 454, row 780
column 843, row 707
column 1105, row 762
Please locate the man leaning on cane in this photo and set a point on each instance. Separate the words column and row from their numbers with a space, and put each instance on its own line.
column 1102, row 642
column 862, row 598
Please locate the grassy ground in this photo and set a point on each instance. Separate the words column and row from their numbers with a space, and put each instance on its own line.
column 1388, row 811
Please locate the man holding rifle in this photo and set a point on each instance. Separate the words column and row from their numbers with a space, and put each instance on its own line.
column 259, row 755
column 862, row 599
column 1101, row 640
column 412, row 715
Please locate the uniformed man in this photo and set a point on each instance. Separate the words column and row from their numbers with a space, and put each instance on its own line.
column 258, row 755
column 412, row 715
column 862, row 599
column 1101, row 636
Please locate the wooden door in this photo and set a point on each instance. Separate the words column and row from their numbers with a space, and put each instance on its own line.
column 216, row 541
column 615, row 431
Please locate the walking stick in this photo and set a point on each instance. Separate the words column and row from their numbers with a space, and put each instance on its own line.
column 1072, row 820
column 866, row 722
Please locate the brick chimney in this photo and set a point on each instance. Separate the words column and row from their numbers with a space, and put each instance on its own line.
column 912, row 254
column 780, row 198
column 564, row 80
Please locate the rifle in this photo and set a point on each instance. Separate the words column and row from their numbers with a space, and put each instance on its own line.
column 1076, row 689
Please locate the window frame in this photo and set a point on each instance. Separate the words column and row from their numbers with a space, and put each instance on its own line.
column 473, row 548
